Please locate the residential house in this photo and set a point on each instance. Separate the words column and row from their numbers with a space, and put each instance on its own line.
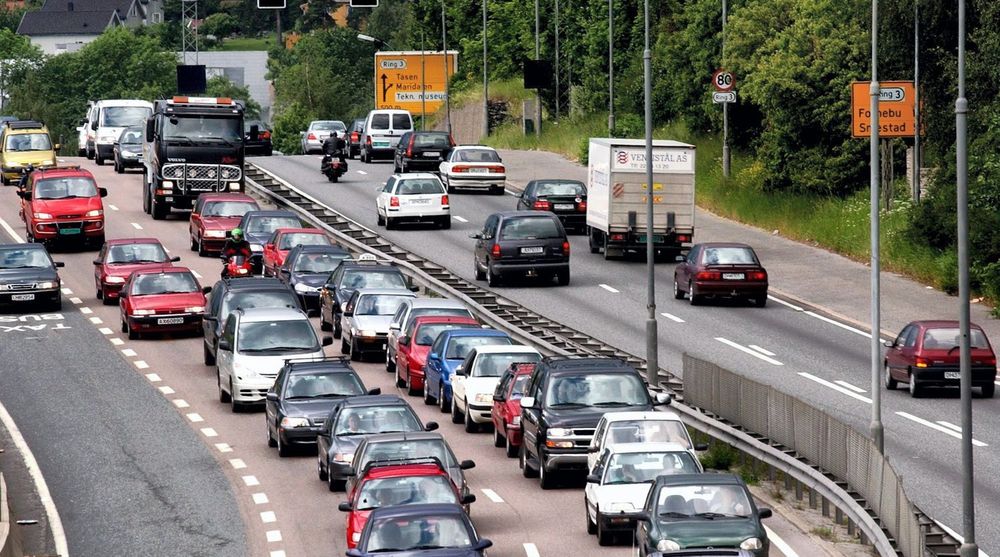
column 66, row 25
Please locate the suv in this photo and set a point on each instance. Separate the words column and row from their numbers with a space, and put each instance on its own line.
column 258, row 226
column 63, row 204
column 24, row 143
column 255, row 344
column 229, row 294
column 383, row 128
column 421, row 151
column 564, row 400
column 522, row 243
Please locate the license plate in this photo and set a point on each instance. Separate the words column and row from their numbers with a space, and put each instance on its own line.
column 434, row 154
column 952, row 375
column 656, row 239
column 380, row 144
column 528, row 251
column 479, row 170
column 420, row 201
column 22, row 297
column 563, row 206
column 170, row 321
column 733, row 276
column 69, row 231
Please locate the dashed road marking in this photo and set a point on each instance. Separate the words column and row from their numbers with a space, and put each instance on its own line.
column 86, row 311
column 129, row 353
column 209, row 432
column 531, row 550
column 278, row 553
column 141, row 364
column 835, row 387
column 180, row 403
column 153, row 377
column 460, row 219
column 362, row 172
column 746, row 350
column 166, row 390
column 195, row 417
column 105, row 331
column 761, row 350
column 112, row 207
column 492, row 495
column 224, row 447
column 260, row 498
column 847, row 385
column 76, row 300
column 610, row 289
column 65, row 291
column 936, row 427
column 237, row 463
column 117, row 341
column 672, row 317
column 96, row 320
column 250, row 481
column 273, row 536
column 268, row 517
column 136, row 226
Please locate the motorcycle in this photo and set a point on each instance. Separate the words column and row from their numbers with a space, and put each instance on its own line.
column 332, row 167
column 237, row 266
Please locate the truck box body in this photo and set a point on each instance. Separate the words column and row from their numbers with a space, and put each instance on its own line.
column 617, row 190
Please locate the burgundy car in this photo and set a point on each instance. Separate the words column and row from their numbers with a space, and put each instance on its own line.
column 507, row 407
column 120, row 258
column 926, row 354
column 163, row 300
column 214, row 216
column 721, row 270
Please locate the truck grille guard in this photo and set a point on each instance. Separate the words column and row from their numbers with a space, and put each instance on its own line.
column 195, row 178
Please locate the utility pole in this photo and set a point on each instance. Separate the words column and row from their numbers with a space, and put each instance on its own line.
column 725, row 106
column 558, row 98
column 611, row 68
column 652, row 359
column 447, row 71
column 189, row 33
column 423, row 82
column 486, row 85
column 538, row 92
column 916, row 102
column 876, row 344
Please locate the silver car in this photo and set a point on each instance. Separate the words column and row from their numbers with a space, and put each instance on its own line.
column 318, row 131
column 411, row 309
column 366, row 318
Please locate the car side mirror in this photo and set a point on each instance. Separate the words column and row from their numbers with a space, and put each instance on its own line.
column 97, row 262
column 123, row 294
column 498, row 398
column 460, row 371
column 430, row 426
column 414, row 288
column 433, row 356
column 83, row 122
column 663, row 399
column 269, row 246
column 150, row 130
column 272, row 396
column 327, row 341
column 528, row 402
column 348, row 313
column 764, row 513
column 24, row 194
column 350, row 473
column 93, row 126
column 209, row 317
column 642, row 516
column 177, row 258
column 593, row 479
column 345, row 506
column 393, row 326
column 467, row 465
column 404, row 340
column 482, row 544
column 225, row 345
column 59, row 264
column 476, row 236
column 375, row 391
column 103, row 192
column 354, row 553
column 699, row 447
column 468, row 499
column 205, row 289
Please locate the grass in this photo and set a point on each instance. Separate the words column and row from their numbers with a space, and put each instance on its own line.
column 824, row 533
column 246, row 43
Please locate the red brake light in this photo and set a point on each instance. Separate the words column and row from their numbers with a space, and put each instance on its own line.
column 617, row 237
column 444, row 200
column 709, row 275
column 394, row 201
column 311, row 136
column 495, row 252
column 541, row 205
column 459, row 169
column 991, row 360
column 565, row 248
column 683, row 238
column 368, row 140
column 409, row 147
column 757, row 275
column 498, row 169
column 265, row 134
column 581, row 206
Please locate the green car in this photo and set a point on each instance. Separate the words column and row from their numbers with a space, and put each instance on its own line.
column 688, row 511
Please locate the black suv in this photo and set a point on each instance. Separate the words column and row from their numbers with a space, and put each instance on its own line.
column 350, row 276
column 521, row 243
column 258, row 226
column 421, row 151
column 229, row 294
column 564, row 400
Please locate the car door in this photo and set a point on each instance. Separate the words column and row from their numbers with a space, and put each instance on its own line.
column 210, row 321
column 224, row 358
column 382, row 200
column 531, row 417
column 404, row 142
column 271, row 253
column 591, row 490
column 683, row 272
column 445, row 167
column 99, row 266
column 394, row 327
column 525, row 201
column 347, row 317
column 903, row 354
column 194, row 223
column 271, row 414
column 432, row 370
column 458, row 387
column 479, row 252
column 596, row 443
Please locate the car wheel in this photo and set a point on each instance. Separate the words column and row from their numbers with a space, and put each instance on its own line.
column 915, row 389
column 480, row 274
column 988, row 390
column 379, row 220
column 428, row 399
column 159, row 211
column 442, row 401
column 336, row 485
column 409, row 385
column 526, row 470
column 344, row 347
column 194, row 244
column 509, row 447
column 591, row 526
column 207, row 355
column 132, row 335
column 456, row 415
column 356, row 354
column 492, row 279
column 887, row 379
column 283, row 448
column 401, row 381
column 470, row 426
column 692, row 297
column 760, row 301
column 98, row 160
column 563, row 277
column 497, row 438
column 445, row 223
column 236, row 407
column 320, row 471
column 100, row 294
column 390, row 366
column 324, row 325
column 202, row 252
column 270, row 439
column 678, row 293
column 223, row 395
column 604, row 538
column 546, row 479
column 389, row 223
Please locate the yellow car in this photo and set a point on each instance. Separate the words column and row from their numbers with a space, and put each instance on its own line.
column 24, row 142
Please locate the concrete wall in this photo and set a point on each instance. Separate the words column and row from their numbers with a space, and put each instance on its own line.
column 59, row 44
column 242, row 68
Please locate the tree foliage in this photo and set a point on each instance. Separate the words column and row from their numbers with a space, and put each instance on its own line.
column 220, row 86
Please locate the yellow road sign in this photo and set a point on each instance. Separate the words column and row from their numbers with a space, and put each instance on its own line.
column 412, row 80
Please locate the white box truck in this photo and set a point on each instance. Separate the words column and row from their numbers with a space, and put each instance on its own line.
column 617, row 190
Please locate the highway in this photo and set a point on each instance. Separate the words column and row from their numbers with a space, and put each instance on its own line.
column 131, row 435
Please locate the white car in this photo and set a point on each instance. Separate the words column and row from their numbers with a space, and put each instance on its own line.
column 366, row 318
column 109, row 119
column 415, row 307
column 476, row 378
column 474, row 167
column 413, row 197
column 618, row 484
column 638, row 427
column 318, row 131
column 254, row 346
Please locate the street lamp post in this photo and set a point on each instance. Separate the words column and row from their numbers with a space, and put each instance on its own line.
column 652, row 360
column 611, row 68
column 486, row 86
column 916, row 102
column 876, row 344
column 557, row 59
column 538, row 92
column 447, row 71
column 725, row 106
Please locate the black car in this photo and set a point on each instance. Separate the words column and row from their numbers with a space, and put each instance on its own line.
column 352, row 275
column 127, row 149
column 421, row 151
column 306, row 269
column 521, row 243
column 229, row 294
column 564, row 400
column 566, row 198
column 354, row 138
column 256, row 138
column 438, row 529
column 258, row 226
column 301, row 399
column 407, row 446
column 350, row 421
column 28, row 276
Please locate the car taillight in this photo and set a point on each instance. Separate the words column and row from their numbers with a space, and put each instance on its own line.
column 459, row 169
column 311, row 137
column 409, row 147
column 617, row 237
column 541, row 205
column 565, row 248
column 368, row 140
column 498, row 169
column 394, row 201
column 757, row 275
column 265, row 135
column 709, row 275
column 444, row 200
column 921, row 362
column 683, row 238
column 354, row 137
column 495, row 252
column 990, row 361
column 581, row 205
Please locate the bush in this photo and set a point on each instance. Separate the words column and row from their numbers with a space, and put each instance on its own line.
column 287, row 125
column 630, row 126
column 719, row 456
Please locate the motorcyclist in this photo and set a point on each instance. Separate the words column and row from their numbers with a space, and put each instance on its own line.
column 235, row 245
column 334, row 146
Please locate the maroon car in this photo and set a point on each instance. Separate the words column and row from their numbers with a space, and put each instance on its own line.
column 507, row 407
column 214, row 216
column 721, row 270
column 926, row 354
column 164, row 300
column 120, row 258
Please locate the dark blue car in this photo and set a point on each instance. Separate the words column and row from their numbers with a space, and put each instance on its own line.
column 448, row 351
column 438, row 530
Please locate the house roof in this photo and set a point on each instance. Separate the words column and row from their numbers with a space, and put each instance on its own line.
column 87, row 17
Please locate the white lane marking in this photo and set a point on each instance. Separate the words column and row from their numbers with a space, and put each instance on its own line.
column 934, row 426
column 268, row 517
column 508, row 192
column 785, row 549
column 237, row 463
column 112, row 207
column 250, row 481
column 141, row 364
column 224, row 447
column 950, row 425
column 209, row 432
column 136, row 226
column 672, row 317
column 195, row 417
column 153, row 377
column 86, row 311
column 273, row 536
column 196, row 274
column 609, row 288
column 836, row 387
column 742, row 348
column 117, row 341
column 784, row 303
column 96, row 320
column 129, row 353
column 166, row 390
column 279, row 553
column 955, row 534
column 362, row 172
column 180, row 403
column 76, row 300
column 842, row 326
column 847, row 385
column 460, row 219
column 105, row 331
column 492, row 495
column 761, row 350
column 51, row 514
column 531, row 550
column 65, row 291
column 260, row 498
column 17, row 239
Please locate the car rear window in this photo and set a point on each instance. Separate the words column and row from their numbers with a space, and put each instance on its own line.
column 427, row 333
column 164, row 283
column 478, row 155
column 460, row 312
column 649, row 431
column 459, row 347
column 431, row 140
column 318, row 262
column 530, row 228
column 729, row 256
column 946, row 339
column 289, row 241
column 418, row 187
column 380, row 122
column 559, row 188
column 401, row 122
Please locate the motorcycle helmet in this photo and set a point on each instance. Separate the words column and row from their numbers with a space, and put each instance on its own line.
column 237, row 234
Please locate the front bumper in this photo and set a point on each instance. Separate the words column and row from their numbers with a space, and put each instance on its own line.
column 29, row 296
column 166, row 322
column 504, row 269
column 299, row 435
column 416, row 378
column 565, row 459
column 68, row 230
column 309, row 300
column 251, row 389
column 618, row 522
column 371, row 344
column 935, row 376
column 480, row 414
column 105, row 150
column 129, row 160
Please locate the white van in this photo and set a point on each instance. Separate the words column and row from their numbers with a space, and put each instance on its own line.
column 383, row 129
column 109, row 118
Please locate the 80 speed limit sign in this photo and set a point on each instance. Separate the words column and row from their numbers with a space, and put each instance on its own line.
column 723, row 81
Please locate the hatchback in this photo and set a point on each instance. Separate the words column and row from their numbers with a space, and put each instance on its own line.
column 283, row 240
column 721, row 270
column 566, row 198
column 474, row 167
column 414, row 343
column 506, row 411
column 413, row 197
column 63, row 204
column 319, row 130
column 214, row 216
column 414, row 530
column 521, row 243
column 119, row 258
column 411, row 309
column 422, row 151
column 926, row 354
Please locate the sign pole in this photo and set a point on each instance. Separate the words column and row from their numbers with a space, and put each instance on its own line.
column 611, row 68
column 725, row 106
column 423, row 82
column 447, row 72
column 916, row 101
column 538, row 92
column 652, row 351
column 876, row 344
column 486, row 81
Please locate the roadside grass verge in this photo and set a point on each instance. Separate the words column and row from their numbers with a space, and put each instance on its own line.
column 246, row 43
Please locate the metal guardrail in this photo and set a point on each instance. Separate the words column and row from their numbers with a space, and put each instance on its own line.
column 552, row 338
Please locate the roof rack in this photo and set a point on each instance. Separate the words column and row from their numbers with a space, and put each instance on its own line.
column 383, row 463
column 23, row 124
column 313, row 360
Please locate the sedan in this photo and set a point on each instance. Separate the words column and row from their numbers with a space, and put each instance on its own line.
column 214, row 216
column 366, row 319
column 284, row 239
column 926, row 354
column 476, row 379
column 161, row 300
column 127, row 150
column 415, row 530
column 474, row 167
column 413, row 197
column 566, row 198
column 721, row 270
column 411, row 445
column 28, row 276
column 414, row 343
column 447, row 353
column 319, row 130
column 120, row 258
column 306, row 269
column 524, row 244
column 506, row 412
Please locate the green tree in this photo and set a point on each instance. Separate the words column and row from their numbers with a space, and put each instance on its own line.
column 220, row 25
column 221, row 86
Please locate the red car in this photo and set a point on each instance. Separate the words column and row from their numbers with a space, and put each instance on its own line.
column 721, row 270
column 214, row 216
column 413, row 345
column 161, row 300
column 63, row 204
column 394, row 482
column 507, row 407
column 283, row 240
column 120, row 258
column 926, row 354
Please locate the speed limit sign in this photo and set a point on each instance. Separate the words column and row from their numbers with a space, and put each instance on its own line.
column 723, row 81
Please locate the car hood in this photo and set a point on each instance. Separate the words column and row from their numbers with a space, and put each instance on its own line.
column 346, row 443
column 271, row 364
column 377, row 323
column 725, row 532
column 29, row 157
column 35, row 274
column 72, row 206
column 130, row 147
column 478, row 385
column 257, row 237
column 125, row 270
column 607, row 495
column 585, row 417
column 164, row 302
column 220, row 223
column 310, row 279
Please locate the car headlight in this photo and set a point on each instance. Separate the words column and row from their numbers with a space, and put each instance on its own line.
column 46, row 284
column 114, row 280
column 94, row 213
column 344, row 458
column 559, row 432
column 195, row 309
column 305, row 288
column 484, row 398
column 215, row 234
column 143, row 312
column 752, row 544
column 42, row 215
column 294, row 422
column 516, row 421
column 256, row 247
column 621, row 507
column 668, row 545
column 14, row 164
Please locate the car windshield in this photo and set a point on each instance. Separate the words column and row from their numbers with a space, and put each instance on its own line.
column 24, row 258
column 708, row 501
column 164, row 283
column 407, row 490
column 227, row 208
column 559, row 188
column 289, row 241
column 597, row 389
column 530, row 228
column 136, row 253
column 289, row 335
column 648, row 431
column 729, row 256
column 313, row 385
column 28, row 142
column 520, row 382
column 458, row 347
column 64, row 188
column 202, row 129
column 477, row 155
column 356, row 280
column 493, row 365
column 426, row 334
column 457, row 312
column 378, row 304
column 635, row 468
column 431, row 141
column 318, row 262
column 369, row 420
column 398, row 450
column 419, row 187
column 946, row 339
column 273, row 298
column 404, row 534
column 124, row 116
column 267, row 225
column 131, row 137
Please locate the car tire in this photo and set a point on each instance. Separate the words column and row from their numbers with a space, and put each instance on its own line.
column 194, row 244
column 390, row 366
column 409, row 385
column 480, row 274
column 100, row 294
column 283, row 449
column 916, row 390
column 492, row 279
column 356, row 354
column 760, row 301
column 988, row 390
column 591, row 525
column 497, row 438
column 428, row 399
column 235, row 407
column 270, row 439
column 98, row 160
column 887, row 379
column 509, row 447
column 320, row 471
column 389, row 223
column 380, row 220
column 562, row 278
column 132, row 335
column 335, row 485
column 443, row 403
column 344, row 347
column 207, row 355
column 202, row 252
column 526, row 470
column 470, row 426
column 456, row 415
column 546, row 479
column 337, row 332
column 603, row 537
column 446, row 223
column 402, row 381
column 692, row 297
column 678, row 293
column 159, row 211
column 223, row 395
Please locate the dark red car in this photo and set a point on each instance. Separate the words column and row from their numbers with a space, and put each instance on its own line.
column 163, row 300
column 214, row 216
column 121, row 257
column 507, row 407
column 283, row 240
column 926, row 354
column 63, row 204
column 393, row 482
column 413, row 345
column 721, row 270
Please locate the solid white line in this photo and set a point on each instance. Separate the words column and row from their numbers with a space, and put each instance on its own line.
column 238, row 463
column 195, row 417
column 934, row 426
column 847, row 385
column 136, row 226
column 129, row 353
column 784, row 303
column 117, row 341
column 96, row 320
column 224, row 447
column 761, row 350
column 86, row 311
column 492, row 495
column 267, row 517
column 17, row 239
column 742, row 348
column 112, row 207
column 609, row 288
column 785, row 549
column 950, row 425
column 52, row 515
column 530, row 550
column 460, row 219
column 166, row 390
column 836, row 387
column 153, row 377
column 105, row 331
column 250, row 481
column 955, row 534
column 672, row 317
column 260, row 498
column 180, row 403
column 273, row 536
column 209, row 432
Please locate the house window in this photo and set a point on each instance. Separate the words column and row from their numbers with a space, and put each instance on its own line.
column 157, row 17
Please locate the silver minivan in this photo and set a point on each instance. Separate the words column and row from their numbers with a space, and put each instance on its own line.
column 383, row 128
